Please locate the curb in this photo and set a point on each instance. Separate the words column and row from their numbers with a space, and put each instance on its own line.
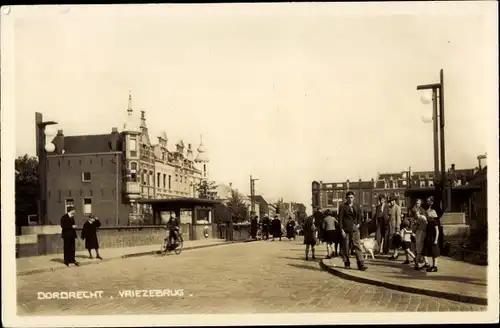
column 126, row 256
column 407, row 289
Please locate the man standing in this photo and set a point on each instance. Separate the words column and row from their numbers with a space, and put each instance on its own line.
column 68, row 235
column 349, row 220
column 394, row 227
column 265, row 227
column 318, row 222
column 381, row 218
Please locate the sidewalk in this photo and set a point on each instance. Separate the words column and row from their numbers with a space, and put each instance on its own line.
column 456, row 281
column 53, row 262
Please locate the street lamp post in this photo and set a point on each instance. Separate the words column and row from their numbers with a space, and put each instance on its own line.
column 439, row 146
column 252, row 195
column 42, row 148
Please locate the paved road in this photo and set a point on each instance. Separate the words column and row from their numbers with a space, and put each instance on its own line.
column 245, row 278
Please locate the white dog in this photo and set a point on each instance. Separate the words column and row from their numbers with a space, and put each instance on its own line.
column 368, row 246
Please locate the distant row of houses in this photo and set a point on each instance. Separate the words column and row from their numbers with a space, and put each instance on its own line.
column 468, row 191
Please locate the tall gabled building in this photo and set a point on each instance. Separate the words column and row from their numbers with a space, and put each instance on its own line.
column 106, row 174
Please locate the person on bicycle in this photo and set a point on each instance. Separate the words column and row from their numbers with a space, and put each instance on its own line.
column 173, row 229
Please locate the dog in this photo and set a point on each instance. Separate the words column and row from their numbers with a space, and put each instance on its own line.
column 369, row 246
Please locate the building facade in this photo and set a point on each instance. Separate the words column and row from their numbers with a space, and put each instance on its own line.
column 106, row 174
column 467, row 188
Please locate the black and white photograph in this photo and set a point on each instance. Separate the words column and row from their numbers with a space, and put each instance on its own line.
column 249, row 164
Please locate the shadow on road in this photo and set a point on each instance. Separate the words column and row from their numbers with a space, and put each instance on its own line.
column 60, row 260
column 297, row 258
column 307, row 267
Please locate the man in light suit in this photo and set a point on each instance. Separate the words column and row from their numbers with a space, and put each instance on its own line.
column 381, row 217
column 394, row 225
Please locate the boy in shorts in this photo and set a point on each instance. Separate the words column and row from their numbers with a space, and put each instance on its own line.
column 406, row 234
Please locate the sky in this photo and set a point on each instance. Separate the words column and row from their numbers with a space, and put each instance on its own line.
column 286, row 93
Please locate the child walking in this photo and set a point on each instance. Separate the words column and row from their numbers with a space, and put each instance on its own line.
column 406, row 234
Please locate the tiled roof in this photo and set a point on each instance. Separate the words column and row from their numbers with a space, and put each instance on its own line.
column 100, row 143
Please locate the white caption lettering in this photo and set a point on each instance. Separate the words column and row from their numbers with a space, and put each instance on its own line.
column 150, row 293
column 79, row 295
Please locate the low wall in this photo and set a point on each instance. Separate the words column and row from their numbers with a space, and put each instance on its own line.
column 109, row 237
column 241, row 232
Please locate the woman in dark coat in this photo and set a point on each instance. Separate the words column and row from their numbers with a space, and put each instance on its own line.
column 290, row 229
column 254, row 225
column 310, row 236
column 276, row 228
column 89, row 234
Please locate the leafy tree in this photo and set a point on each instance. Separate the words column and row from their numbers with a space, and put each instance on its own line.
column 207, row 190
column 27, row 188
column 236, row 207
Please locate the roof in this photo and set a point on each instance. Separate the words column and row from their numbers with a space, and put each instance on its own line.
column 179, row 202
column 99, row 143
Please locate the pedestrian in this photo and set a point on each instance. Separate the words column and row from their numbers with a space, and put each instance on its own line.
column 337, row 238
column 276, row 228
column 439, row 213
column 406, row 234
column 265, row 227
column 431, row 244
column 329, row 223
column 393, row 231
column 310, row 237
column 419, row 226
column 254, row 225
column 290, row 229
column 381, row 218
column 68, row 235
column 89, row 234
column 319, row 216
column 349, row 220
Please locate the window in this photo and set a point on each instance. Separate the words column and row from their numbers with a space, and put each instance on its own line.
column 164, row 180
column 176, row 177
column 86, row 177
column 329, row 198
column 422, row 184
column 169, row 182
column 151, row 178
column 69, row 202
column 87, row 206
column 133, row 144
column 144, row 177
column 158, row 178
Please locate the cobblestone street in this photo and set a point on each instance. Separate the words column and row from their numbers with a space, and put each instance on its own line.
column 240, row 278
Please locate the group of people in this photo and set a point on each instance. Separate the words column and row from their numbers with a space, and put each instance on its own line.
column 419, row 234
column 272, row 228
column 337, row 232
column 69, row 236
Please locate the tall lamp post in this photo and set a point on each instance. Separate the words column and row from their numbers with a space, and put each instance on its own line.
column 44, row 145
column 252, row 195
column 439, row 144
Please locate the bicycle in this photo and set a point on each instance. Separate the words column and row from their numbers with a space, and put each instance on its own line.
column 176, row 247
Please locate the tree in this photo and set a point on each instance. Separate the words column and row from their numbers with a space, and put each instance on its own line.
column 27, row 188
column 207, row 190
column 236, row 207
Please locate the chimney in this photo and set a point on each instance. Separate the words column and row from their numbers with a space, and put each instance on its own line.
column 231, row 185
column 143, row 119
column 114, row 139
column 481, row 159
column 189, row 146
column 114, row 130
column 59, row 142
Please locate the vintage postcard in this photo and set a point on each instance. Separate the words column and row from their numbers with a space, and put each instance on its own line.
column 249, row 164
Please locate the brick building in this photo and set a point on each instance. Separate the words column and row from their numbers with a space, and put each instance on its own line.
column 106, row 174
column 468, row 191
